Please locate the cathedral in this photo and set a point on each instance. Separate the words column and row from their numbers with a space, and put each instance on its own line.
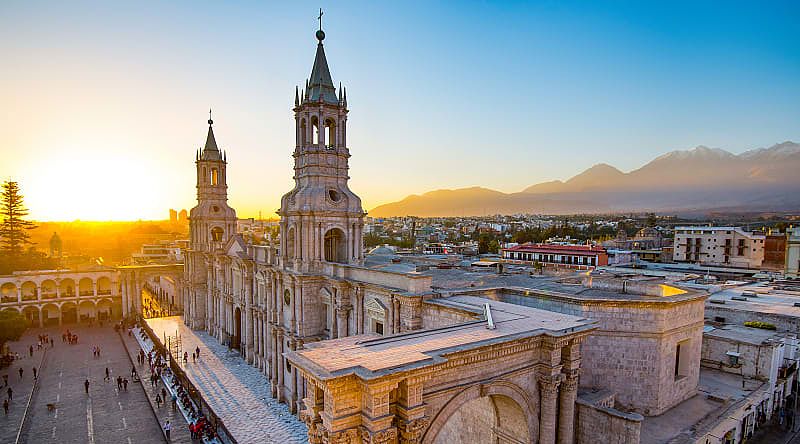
column 267, row 299
column 379, row 349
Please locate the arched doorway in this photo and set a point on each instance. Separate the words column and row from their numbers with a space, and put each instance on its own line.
column 236, row 340
column 69, row 313
column 487, row 419
column 50, row 315
column 86, row 311
column 499, row 412
column 335, row 246
column 32, row 314
column 105, row 310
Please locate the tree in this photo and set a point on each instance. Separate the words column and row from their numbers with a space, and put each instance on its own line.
column 12, row 325
column 14, row 235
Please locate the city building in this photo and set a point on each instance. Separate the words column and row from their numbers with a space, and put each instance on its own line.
column 719, row 246
column 570, row 256
column 56, row 297
column 163, row 252
column 792, row 267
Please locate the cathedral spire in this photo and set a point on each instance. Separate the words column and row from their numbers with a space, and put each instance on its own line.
column 210, row 151
column 320, row 84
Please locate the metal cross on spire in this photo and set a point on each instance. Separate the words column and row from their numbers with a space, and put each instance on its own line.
column 209, row 116
column 320, row 19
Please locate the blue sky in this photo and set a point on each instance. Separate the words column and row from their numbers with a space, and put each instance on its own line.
column 442, row 94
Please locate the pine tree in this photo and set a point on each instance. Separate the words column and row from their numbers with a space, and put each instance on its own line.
column 14, row 235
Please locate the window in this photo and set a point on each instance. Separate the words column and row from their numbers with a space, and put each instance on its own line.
column 287, row 296
column 379, row 328
column 214, row 176
column 288, row 366
column 330, row 133
column 216, row 234
column 335, row 246
column 682, row 364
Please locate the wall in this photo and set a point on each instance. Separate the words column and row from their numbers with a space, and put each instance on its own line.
column 756, row 361
column 437, row 316
column 598, row 424
column 736, row 316
column 633, row 350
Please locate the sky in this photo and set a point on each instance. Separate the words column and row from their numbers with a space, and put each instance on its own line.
column 105, row 103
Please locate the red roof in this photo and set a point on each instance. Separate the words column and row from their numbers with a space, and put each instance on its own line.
column 581, row 250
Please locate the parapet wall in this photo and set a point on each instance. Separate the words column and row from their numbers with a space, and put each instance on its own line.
column 601, row 424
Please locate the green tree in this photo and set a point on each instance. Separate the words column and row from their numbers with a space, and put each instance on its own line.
column 12, row 325
column 14, row 237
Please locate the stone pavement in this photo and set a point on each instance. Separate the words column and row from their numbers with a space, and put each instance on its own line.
column 180, row 431
column 237, row 392
column 21, row 388
column 105, row 415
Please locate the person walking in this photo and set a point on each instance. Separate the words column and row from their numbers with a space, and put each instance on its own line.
column 108, row 375
column 164, row 394
column 197, row 351
column 125, row 384
column 158, row 400
column 21, row 371
column 30, row 351
column 5, row 406
column 86, row 386
column 10, row 394
column 119, row 382
column 34, row 373
column 167, row 429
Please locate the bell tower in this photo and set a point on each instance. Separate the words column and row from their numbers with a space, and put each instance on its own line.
column 321, row 219
column 212, row 221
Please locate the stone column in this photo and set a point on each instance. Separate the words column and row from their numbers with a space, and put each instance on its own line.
column 313, row 404
column 124, row 285
column 410, row 411
column 342, row 312
column 250, row 337
column 548, row 400
column 376, row 417
column 566, row 412
column 570, row 363
column 279, row 361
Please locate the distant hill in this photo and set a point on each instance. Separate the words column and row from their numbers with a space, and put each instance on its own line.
column 763, row 179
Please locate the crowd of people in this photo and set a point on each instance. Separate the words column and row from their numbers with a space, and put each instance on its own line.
column 200, row 427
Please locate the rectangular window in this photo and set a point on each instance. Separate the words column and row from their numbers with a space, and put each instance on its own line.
column 682, row 364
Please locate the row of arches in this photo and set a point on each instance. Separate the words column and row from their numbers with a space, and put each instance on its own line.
column 52, row 314
column 313, row 133
column 50, row 289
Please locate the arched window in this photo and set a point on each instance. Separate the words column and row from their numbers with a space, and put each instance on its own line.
column 303, row 132
column 216, row 234
column 330, row 133
column 315, row 130
column 214, row 176
column 335, row 246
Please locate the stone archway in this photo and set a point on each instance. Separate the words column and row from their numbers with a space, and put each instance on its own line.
column 51, row 315
column 32, row 314
column 69, row 313
column 500, row 413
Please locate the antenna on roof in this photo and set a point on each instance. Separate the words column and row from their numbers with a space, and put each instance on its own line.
column 487, row 311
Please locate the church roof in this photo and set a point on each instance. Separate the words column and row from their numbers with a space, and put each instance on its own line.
column 210, row 151
column 320, row 85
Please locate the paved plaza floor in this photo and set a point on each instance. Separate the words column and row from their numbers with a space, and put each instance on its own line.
column 104, row 415
column 237, row 392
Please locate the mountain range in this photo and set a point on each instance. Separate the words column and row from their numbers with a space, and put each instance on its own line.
column 684, row 182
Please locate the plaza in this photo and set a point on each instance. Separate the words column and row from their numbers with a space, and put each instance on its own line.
column 104, row 415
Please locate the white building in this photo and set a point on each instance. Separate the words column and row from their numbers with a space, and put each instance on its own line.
column 793, row 253
column 720, row 246
column 53, row 297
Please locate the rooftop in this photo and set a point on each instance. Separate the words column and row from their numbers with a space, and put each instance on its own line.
column 762, row 297
column 717, row 391
column 373, row 356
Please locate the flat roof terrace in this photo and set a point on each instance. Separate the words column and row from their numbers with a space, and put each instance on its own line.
column 373, row 356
